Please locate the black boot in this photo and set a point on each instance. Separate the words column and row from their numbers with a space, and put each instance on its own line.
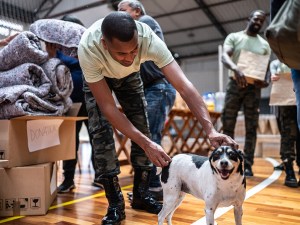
column 142, row 199
column 290, row 179
column 116, row 209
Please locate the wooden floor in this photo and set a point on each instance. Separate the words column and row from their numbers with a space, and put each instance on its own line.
column 268, row 202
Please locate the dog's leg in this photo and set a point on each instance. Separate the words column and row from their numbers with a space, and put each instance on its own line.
column 171, row 197
column 238, row 213
column 179, row 200
column 209, row 214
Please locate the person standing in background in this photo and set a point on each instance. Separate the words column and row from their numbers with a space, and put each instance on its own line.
column 238, row 92
column 160, row 94
column 69, row 166
column 286, row 116
column 275, row 5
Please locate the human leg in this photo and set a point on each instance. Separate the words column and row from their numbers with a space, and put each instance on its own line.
column 289, row 130
column 296, row 81
column 160, row 99
column 69, row 166
column 231, row 108
column 130, row 94
column 106, row 161
column 251, row 112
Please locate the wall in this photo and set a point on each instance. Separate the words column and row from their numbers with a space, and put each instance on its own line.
column 203, row 72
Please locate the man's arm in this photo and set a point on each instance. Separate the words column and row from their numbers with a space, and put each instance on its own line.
column 108, row 106
column 189, row 93
column 229, row 64
column 5, row 41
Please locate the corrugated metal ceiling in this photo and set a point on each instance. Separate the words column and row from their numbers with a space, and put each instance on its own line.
column 191, row 27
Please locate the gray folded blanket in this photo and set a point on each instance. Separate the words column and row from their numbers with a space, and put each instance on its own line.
column 30, row 104
column 24, row 48
column 27, row 90
column 65, row 34
column 27, row 77
column 60, row 77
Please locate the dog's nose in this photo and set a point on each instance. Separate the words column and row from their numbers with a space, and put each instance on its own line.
column 224, row 163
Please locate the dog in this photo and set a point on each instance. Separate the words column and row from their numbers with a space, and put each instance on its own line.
column 218, row 179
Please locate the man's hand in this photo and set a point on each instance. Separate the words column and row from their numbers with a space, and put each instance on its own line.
column 260, row 84
column 217, row 139
column 157, row 155
column 240, row 78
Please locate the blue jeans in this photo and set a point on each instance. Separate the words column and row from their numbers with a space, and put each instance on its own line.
column 160, row 98
column 296, row 80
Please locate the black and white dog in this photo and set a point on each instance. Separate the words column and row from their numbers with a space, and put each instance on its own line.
column 218, row 180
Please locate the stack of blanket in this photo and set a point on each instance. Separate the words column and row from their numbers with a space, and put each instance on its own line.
column 30, row 83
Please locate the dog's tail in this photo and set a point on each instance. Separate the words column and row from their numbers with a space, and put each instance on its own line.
column 158, row 170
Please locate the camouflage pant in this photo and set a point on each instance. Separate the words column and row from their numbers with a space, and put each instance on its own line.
column 248, row 98
column 130, row 94
column 287, row 124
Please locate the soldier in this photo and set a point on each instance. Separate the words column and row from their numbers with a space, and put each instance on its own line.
column 110, row 54
column 239, row 93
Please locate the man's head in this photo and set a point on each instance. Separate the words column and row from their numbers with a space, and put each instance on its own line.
column 133, row 7
column 72, row 18
column 255, row 22
column 120, row 37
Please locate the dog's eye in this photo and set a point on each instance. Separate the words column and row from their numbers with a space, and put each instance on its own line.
column 233, row 156
column 216, row 156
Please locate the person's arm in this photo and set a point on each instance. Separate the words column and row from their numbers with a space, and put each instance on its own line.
column 108, row 106
column 229, row 64
column 5, row 41
column 191, row 96
column 51, row 49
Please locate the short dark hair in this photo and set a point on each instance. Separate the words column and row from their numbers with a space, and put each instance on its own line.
column 119, row 25
column 72, row 18
column 257, row 11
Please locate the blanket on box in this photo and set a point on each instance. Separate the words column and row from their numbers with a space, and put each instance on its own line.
column 24, row 48
column 27, row 90
column 65, row 34
column 60, row 77
column 27, row 77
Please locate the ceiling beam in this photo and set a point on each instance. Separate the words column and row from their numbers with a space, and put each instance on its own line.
column 193, row 9
column 212, row 17
column 85, row 7
column 206, row 26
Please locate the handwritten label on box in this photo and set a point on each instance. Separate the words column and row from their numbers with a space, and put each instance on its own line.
column 43, row 134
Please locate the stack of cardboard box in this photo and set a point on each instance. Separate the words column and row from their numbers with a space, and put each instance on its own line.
column 29, row 148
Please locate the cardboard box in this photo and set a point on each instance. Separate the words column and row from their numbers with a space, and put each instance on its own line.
column 30, row 140
column 27, row 190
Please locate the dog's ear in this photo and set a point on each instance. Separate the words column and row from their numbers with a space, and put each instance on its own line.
column 240, row 154
column 241, row 158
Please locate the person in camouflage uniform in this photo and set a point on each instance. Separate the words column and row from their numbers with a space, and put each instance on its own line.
column 240, row 94
column 110, row 54
column 286, row 115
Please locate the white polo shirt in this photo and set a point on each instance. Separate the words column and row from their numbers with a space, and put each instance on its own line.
column 96, row 62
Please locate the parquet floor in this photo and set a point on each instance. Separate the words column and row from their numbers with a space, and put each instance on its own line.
column 268, row 202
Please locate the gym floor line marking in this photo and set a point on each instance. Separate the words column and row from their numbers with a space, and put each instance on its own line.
column 275, row 175
column 102, row 193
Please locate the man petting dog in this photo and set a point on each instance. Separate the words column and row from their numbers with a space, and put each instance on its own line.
column 218, row 180
column 110, row 54
column 239, row 93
